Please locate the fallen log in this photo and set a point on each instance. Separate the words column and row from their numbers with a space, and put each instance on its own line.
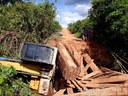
column 76, row 56
column 68, row 67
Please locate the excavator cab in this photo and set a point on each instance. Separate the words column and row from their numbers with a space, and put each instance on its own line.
column 42, row 55
column 37, row 61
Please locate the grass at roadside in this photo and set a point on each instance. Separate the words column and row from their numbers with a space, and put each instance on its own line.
column 78, row 34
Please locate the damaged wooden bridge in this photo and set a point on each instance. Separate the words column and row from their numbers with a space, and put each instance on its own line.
column 82, row 77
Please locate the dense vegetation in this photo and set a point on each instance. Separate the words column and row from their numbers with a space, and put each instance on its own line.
column 109, row 20
column 11, row 85
column 78, row 26
column 25, row 21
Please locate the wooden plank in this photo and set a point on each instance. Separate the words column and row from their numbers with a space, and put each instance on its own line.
column 109, row 70
column 70, row 84
column 70, row 91
column 104, row 85
column 85, row 82
column 105, row 74
column 84, row 71
column 99, row 75
column 116, row 91
column 60, row 92
column 76, row 85
column 109, row 75
column 88, row 59
column 79, row 83
column 86, row 67
column 91, row 74
column 82, row 67
column 120, row 78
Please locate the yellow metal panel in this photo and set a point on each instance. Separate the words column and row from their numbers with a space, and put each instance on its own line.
column 34, row 83
column 31, row 68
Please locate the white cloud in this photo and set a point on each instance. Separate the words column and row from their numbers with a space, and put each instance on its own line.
column 57, row 16
column 79, row 12
column 82, row 9
column 70, row 17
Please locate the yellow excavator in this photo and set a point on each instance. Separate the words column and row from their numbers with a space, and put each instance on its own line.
column 37, row 61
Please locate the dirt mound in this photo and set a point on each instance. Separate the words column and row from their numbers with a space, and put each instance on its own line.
column 99, row 54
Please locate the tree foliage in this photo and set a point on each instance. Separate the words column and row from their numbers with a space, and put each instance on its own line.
column 6, row 2
column 20, row 22
column 10, row 85
column 110, row 22
column 79, row 26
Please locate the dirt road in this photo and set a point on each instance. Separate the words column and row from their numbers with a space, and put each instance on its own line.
column 95, row 50
column 67, row 36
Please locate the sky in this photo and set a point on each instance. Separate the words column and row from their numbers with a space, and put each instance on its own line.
column 69, row 11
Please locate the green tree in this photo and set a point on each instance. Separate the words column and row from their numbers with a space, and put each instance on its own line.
column 20, row 22
column 5, row 2
column 79, row 26
column 10, row 85
column 110, row 22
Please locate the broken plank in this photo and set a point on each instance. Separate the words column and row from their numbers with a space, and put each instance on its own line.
column 109, row 70
column 84, row 71
column 120, row 78
column 60, row 92
column 86, row 67
column 104, row 85
column 103, row 92
column 70, row 91
column 99, row 75
column 76, row 85
column 91, row 74
column 70, row 84
column 79, row 83
column 81, row 66
column 88, row 59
